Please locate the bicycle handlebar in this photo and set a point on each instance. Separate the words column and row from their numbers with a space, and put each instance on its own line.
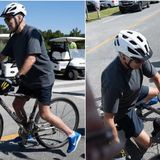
column 10, row 81
column 7, row 85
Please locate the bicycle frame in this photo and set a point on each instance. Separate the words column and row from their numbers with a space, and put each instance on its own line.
column 12, row 114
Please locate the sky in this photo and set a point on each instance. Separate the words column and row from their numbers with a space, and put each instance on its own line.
column 54, row 15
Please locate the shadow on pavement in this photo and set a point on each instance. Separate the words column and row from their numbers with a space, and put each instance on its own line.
column 8, row 147
column 82, row 156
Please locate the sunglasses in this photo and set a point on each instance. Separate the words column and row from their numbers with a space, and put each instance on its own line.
column 137, row 60
column 7, row 19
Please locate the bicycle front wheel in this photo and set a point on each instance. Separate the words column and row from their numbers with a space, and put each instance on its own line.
column 48, row 135
column 1, row 126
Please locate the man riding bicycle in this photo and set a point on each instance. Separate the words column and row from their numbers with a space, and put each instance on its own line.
column 121, row 86
column 35, row 75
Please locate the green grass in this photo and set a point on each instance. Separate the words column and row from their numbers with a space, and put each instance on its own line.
column 104, row 13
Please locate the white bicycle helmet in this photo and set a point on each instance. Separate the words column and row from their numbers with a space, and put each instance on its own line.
column 13, row 9
column 133, row 44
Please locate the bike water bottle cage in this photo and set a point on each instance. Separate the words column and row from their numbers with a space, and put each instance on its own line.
column 5, row 86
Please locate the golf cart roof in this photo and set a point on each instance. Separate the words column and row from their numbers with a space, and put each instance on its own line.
column 4, row 36
column 67, row 39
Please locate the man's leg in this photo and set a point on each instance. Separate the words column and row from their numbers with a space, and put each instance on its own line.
column 143, row 139
column 151, row 93
column 146, row 94
column 73, row 137
column 18, row 105
column 47, row 115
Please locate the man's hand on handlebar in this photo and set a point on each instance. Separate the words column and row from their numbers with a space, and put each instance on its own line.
column 17, row 80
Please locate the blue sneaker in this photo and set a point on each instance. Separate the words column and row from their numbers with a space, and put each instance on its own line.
column 17, row 140
column 73, row 142
column 20, row 140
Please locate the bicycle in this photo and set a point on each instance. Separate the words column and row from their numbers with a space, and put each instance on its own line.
column 144, row 110
column 47, row 135
column 147, row 113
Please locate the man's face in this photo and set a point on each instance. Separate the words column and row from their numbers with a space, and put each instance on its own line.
column 135, row 63
column 11, row 23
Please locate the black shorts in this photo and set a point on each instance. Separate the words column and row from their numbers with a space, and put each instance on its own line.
column 43, row 94
column 143, row 93
column 131, row 123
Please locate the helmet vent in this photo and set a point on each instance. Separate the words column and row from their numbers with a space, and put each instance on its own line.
column 125, row 37
column 139, row 50
column 132, row 51
column 130, row 32
column 146, row 48
column 133, row 42
column 13, row 8
column 7, row 10
column 140, row 38
column 118, row 42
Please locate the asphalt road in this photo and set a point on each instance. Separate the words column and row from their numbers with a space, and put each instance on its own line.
column 100, row 35
column 73, row 90
column 100, row 49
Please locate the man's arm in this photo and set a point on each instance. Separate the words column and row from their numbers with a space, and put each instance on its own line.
column 156, row 80
column 109, row 120
column 29, row 61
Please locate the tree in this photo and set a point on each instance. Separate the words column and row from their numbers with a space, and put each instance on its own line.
column 49, row 35
column 3, row 29
column 75, row 32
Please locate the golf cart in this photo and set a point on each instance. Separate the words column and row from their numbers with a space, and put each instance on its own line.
column 68, row 61
column 8, row 69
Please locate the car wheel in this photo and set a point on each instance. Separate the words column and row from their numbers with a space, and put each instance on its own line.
column 109, row 6
column 140, row 7
column 122, row 10
column 72, row 74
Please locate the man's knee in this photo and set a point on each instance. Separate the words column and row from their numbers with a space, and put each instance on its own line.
column 18, row 103
column 44, row 111
column 151, row 93
column 144, row 140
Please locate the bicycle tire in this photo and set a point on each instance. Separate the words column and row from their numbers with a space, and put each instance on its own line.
column 54, row 138
column 1, row 126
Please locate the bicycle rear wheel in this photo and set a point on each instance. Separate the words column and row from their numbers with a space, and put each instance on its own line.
column 48, row 135
column 1, row 126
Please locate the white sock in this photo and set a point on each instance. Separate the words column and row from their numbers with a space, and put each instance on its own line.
column 73, row 134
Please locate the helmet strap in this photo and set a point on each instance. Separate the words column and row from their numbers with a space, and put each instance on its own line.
column 17, row 25
column 128, row 64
